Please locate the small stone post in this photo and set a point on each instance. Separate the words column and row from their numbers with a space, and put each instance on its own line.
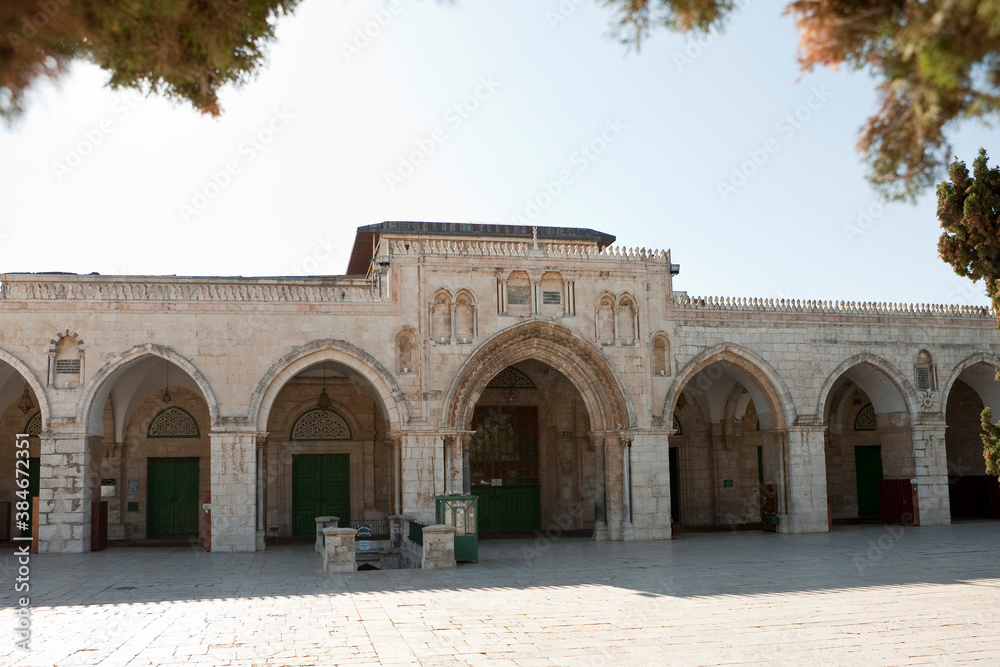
column 339, row 555
column 439, row 547
column 321, row 523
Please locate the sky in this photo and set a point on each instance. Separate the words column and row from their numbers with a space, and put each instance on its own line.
column 526, row 111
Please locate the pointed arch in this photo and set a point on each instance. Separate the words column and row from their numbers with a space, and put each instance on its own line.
column 974, row 360
column 360, row 365
column 558, row 346
column 96, row 390
column 906, row 391
column 745, row 362
column 29, row 376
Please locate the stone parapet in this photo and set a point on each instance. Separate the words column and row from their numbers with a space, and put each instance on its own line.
column 812, row 306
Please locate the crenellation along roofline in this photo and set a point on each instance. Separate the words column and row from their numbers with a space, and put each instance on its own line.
column 60, row 277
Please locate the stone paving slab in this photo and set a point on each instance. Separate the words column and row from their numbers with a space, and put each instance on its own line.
column 860, row 595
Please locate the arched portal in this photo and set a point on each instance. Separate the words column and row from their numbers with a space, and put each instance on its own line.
column 972, row 493
column 148, row 414
column 546, row 408
column 867, row 407
column 331, row 415
column 23, row 410
column 729, row 458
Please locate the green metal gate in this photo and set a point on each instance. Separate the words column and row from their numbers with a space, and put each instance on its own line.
column 172, row 497
column 321, row 486
column 868, row 469
column 503, row 463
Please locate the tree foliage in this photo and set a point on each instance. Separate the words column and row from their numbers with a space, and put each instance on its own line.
column 938, row 61
column 968, row 207
column 991, row 443
column 182, row 49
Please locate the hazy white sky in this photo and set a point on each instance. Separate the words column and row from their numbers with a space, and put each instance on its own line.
column 486, row 112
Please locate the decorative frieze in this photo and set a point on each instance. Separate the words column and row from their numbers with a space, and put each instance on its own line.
column 30, row 287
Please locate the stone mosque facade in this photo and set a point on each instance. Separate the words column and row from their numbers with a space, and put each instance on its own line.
column 555, row 376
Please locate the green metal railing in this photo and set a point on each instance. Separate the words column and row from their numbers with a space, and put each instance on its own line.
column 417, row 533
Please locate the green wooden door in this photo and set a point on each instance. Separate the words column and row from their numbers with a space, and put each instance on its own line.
column 675, row 486
column 868, row 468
column 172, row 497
column 321, row 486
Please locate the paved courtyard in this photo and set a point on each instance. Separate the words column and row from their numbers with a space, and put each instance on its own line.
column 862, row 594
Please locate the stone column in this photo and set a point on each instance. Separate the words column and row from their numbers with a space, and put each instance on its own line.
column 454, row 308
column 448, row 443
column 466, row 464
column 806, row 491
column 931, row 467
column 613, row 485
column 600, row 518
column 64, row 492
column 628, row 532
column 234, row 489
column 650, row 487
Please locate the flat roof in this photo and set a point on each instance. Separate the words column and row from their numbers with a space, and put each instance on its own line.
column 367, row 236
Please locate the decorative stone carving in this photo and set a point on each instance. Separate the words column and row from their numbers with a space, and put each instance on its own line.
column 320, row 424
column 173, row 422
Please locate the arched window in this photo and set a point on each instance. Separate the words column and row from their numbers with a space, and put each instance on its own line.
column 173, row 422
column 34, row 425
column 66, row 360
column 925, row 372
column 465, row 317
column 510, row 378
column 406, row 354
column 865, row 420
column 441, row 317
column 606, row 321
column 320, row 424
column 661, row 355
column 627, row 321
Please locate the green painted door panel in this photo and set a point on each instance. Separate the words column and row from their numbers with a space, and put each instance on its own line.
column 512, row 509
column 321, row 486
column 172, row 497
column 868, row 469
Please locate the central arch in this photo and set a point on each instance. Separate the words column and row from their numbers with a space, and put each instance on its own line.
column 563, row 349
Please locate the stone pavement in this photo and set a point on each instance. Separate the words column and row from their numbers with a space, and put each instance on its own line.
column 862, row 594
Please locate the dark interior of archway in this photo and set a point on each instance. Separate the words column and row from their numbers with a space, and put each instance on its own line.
column 723, row 459
column 972, row 493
